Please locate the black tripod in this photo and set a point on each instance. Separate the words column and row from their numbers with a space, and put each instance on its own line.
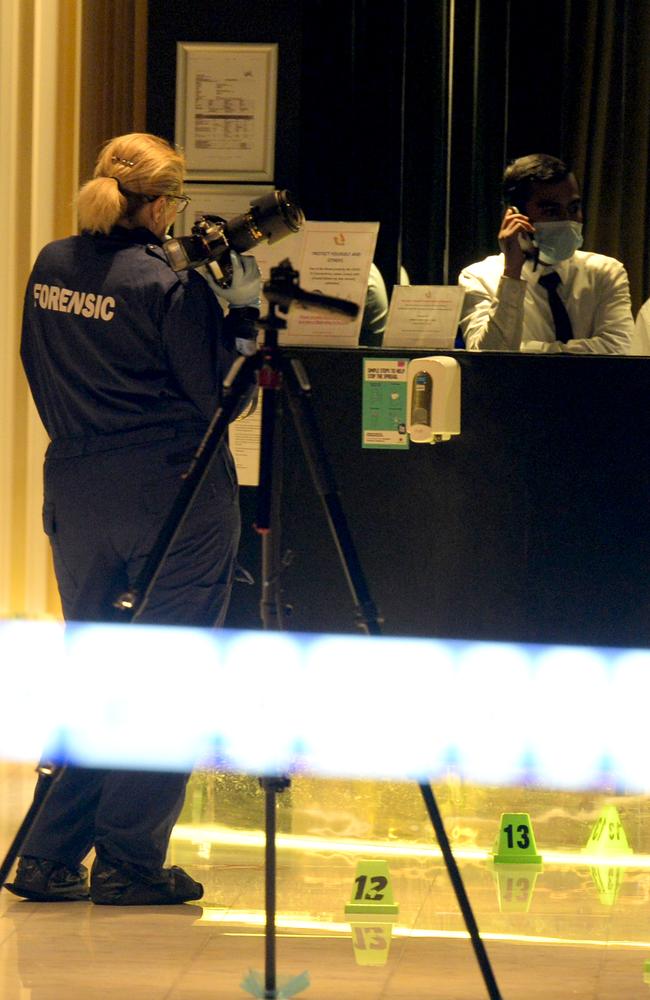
column 274, row 373
column 291, row 376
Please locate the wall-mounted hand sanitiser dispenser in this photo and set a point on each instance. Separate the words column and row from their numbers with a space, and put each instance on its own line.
column 433, row 399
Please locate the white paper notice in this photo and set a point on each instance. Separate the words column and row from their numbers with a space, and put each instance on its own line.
column 423, row 316
column 244, row 437
column 332, row 258
column 226, row 109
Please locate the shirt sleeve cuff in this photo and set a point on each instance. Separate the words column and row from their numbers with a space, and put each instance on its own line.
column 511, row 291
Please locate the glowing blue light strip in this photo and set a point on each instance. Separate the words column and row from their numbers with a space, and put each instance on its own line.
column 138, row 696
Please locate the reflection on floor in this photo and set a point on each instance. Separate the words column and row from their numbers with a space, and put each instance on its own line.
column 577, row 925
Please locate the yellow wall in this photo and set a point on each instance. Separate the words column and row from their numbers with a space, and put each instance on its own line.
column 72, row 74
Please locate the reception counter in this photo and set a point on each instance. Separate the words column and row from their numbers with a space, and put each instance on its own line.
column 530, row 526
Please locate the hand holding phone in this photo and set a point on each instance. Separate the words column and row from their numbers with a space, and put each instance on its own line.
column 516, row 240
column 526, row 240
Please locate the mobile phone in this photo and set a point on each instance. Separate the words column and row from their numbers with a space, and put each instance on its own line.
column 526, row 240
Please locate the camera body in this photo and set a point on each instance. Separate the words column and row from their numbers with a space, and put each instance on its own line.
column 270, row 217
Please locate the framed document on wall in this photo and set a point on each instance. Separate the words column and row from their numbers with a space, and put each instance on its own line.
column 225, row 109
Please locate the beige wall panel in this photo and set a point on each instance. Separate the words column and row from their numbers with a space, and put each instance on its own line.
column 16, row 60
column 39, row 48
column 72, row 74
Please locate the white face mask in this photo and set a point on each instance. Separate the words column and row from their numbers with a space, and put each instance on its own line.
column 557, row 241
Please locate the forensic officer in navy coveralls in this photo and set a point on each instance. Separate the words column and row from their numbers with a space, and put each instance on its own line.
column 125, row 359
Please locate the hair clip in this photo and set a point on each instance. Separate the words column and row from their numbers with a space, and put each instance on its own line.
column 120, row 159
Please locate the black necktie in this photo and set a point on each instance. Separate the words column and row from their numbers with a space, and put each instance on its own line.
column 561, row 319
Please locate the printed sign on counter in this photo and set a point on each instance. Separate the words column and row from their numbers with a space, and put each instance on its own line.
column 384, row 403
column 332, row 258
column 423, row 316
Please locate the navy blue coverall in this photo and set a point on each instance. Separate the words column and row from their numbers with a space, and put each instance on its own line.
column 125, row 359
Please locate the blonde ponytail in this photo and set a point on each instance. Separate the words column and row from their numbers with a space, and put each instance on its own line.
column 130, row 169
column 100, row 205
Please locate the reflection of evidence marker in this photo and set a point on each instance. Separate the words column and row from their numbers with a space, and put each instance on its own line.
column 608, row 880
column 608, row 835
column 646, row 972
column 515, row 886
column 516, row 841
column 372, row 891
column 371, row 939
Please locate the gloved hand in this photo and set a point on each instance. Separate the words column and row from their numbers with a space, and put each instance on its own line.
column 246, row 285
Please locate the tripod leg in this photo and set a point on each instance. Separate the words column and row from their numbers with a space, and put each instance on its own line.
column 459, row 889
column 47, row 777
column 271, row 787
column 270, row 895
column 237, row 384
column 299, row 395
column 269, row 491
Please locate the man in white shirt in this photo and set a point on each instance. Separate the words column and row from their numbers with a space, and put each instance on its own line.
column 542, row 293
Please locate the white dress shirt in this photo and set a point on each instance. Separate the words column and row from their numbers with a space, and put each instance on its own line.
column 641, row 342
column 510, row 314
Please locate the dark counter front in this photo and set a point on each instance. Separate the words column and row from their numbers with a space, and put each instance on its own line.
column 530, row 526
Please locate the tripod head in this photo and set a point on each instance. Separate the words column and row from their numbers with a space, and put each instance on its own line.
column 282, row 290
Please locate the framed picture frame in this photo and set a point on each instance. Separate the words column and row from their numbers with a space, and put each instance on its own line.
column 225, row 109
column 226, row 200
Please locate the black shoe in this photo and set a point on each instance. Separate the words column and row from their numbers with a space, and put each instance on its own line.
column 122, row 884
column 44, row 881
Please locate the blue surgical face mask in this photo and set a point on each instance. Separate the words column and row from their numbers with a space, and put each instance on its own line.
column 557, row 241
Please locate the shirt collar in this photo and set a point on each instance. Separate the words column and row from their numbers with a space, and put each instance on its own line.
column 534, row 275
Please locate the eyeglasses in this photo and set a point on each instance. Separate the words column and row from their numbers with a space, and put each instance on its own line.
column 182, row 201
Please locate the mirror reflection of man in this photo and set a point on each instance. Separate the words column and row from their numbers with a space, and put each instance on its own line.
column 542, row 292
column 642, row 330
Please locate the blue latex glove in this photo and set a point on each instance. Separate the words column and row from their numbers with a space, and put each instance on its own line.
column 246, row 285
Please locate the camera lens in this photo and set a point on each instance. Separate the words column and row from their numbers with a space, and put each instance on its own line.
column 276, row 215
column 291, row 211
column 270, row 217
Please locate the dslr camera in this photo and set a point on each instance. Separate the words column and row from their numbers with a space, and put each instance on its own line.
column 271, row 217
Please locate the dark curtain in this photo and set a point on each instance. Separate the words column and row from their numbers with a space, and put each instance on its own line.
column 352, row 118
column 408, row 113
column 606, row 126
column 570, row 78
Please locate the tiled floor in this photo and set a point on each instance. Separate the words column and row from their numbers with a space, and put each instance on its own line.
column 571, row 929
